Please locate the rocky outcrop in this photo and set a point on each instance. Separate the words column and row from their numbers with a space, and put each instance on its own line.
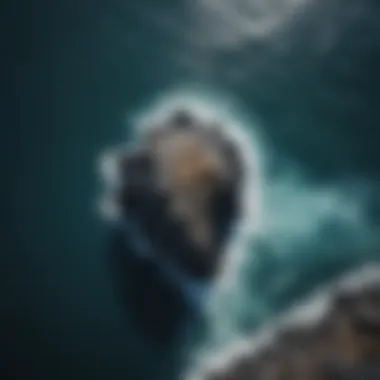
column 179, row 186
column 177, row 192
column 336, row 337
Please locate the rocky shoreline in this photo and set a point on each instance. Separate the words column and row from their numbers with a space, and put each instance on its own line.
column 337, row 336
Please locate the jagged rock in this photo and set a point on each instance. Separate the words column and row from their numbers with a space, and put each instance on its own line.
column 180, row 185
column 178, row 192
column 343, row 342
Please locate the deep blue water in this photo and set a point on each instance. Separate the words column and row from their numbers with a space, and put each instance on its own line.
column 305, row 79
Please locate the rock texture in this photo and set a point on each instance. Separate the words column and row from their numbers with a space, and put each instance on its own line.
column 177, row 190
column 338, row 339
column 180, row 185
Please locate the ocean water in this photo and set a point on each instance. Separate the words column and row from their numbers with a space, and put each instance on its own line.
column 301, row 77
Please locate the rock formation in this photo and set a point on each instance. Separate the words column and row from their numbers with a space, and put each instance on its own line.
column 178, row 195
column 180, row 189
column 336, row 340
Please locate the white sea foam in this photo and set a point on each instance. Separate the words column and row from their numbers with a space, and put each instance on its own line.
column 295, row 218
column 213, row 109
column 307, row 313
column 291, row 216
column 226, row 24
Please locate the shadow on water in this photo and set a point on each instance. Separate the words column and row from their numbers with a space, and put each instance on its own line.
column 159, row 314
column 156, row 307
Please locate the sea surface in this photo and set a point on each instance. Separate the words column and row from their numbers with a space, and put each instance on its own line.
column 301, row 77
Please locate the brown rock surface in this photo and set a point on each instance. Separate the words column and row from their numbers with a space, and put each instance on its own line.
column 343, row 342
column 180, row 184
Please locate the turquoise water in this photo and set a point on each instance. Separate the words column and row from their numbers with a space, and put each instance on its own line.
column 305, row 80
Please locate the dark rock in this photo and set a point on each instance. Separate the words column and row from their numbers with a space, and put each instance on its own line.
column 179, row 196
